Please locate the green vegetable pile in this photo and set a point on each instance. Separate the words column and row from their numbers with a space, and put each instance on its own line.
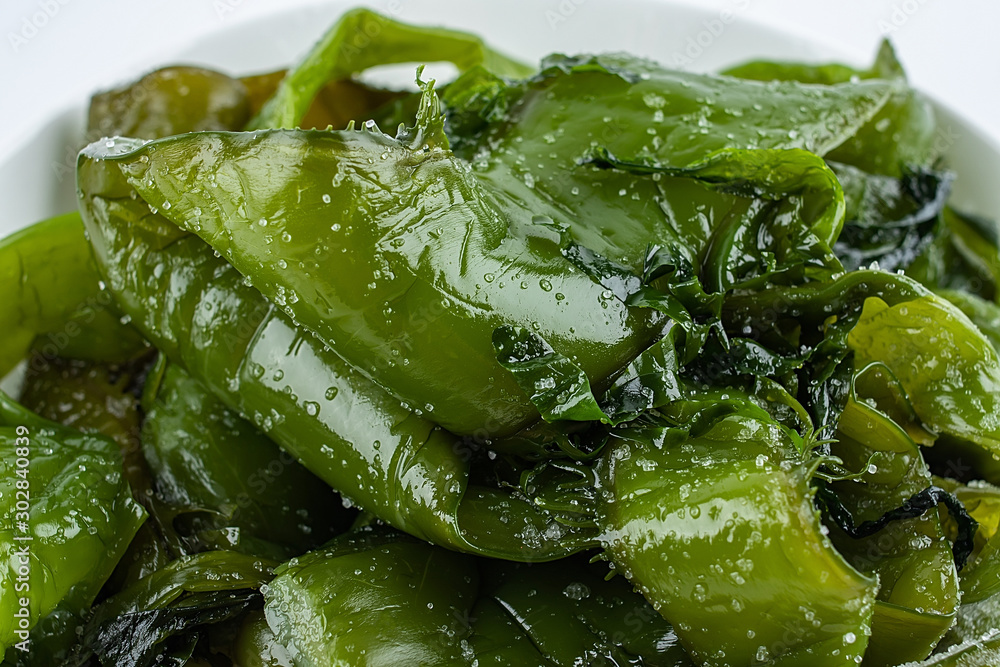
column 599, row 363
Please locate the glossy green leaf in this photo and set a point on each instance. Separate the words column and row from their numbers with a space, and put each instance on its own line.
column 965, row 256
column 374, row 600
column 889, row 221
column 530, row 151
column 87, row 396
column 341, row 426
column 772, row 175
column 557, row 387
column 950, row 372
column 984, row 650
column 225, row 482
column 650, row 381
column 169, row 101
column 720, row 524
column 981, row 578
column 385, row 287
column 757, row 115
column 918, row 593
column 161, row 615
column 66, row 309
column 984, row 314
column 903, row 132
column 566, row 613
column 256, row 646
column 383, row 598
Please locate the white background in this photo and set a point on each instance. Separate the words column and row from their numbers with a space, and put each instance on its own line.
column 55, row 53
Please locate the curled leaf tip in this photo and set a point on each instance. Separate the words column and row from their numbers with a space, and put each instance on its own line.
column 428, row 130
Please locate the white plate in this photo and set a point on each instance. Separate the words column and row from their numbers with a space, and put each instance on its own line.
column 36, row 176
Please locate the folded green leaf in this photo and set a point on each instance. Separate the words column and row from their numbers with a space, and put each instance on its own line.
column 983, row 650
column 89, row 396
column 362, row 39
column 964, row 257
column 558, row 388
column 981, row 579
column 949, row 371
column 800, row 235
column 417, row 604
column 341, row 426
column 534, row 134
column 889, row 221
column 928, row 609
column 720, row 524
column 161, row 616
column 984, row 314
column 650, row 381
column 169, row 101
column 374, row 599
column 410, row 299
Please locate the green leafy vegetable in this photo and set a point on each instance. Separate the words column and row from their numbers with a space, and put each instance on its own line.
column 720, row 521
column 889, row 221
column 341, row 426
column 419, row 604
column 66, row 307
column 947, row 368
column 462, row 269
column 901, row 134
column 557, row 387
column 601, row 312
column 169, row 101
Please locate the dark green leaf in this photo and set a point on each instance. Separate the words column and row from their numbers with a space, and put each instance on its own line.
column 649, row 382
column 557, row 387
column 225, row 483
column 917, row 505
column 793, row 176
column 65, row 310
column 984, row 314
column 163, row 613
column 80, row 517
column 889, row 221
